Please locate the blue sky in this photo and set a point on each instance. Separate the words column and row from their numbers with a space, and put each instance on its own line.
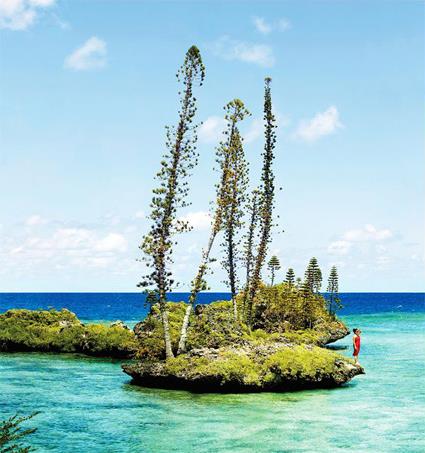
column 88, row 86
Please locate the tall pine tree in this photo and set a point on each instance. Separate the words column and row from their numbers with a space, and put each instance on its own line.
column 313, row 276
column 334, row 302
column 290, row 277
column 235, row 198
column 274, row 265
column 171, row 194
column 266, row 202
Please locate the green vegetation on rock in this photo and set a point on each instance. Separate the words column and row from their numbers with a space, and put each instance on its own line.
column 61, row 331
column 273, row 366
column 224, row 354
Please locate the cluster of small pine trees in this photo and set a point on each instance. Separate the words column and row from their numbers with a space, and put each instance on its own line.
column 312, row 282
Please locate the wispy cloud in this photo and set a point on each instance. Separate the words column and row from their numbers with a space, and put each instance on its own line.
column 20, row 14
column 254, row 131
column 262, row 26
column 322, row 124
column 265, row 28
column 284, row 24
column 339, row 247
column 368, row 233
column 211, row 130
column 35, row 220
column 70, row 246
column 91, row 55
column 230, row 49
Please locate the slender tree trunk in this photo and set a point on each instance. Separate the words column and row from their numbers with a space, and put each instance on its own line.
column 166, row 220
column 232, row 271
column 195, row 291
column 183, row 334
column 166, row 326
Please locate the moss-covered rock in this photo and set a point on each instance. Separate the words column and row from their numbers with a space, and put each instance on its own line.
column 61, row 331
column 253, row 367
column 225, row 355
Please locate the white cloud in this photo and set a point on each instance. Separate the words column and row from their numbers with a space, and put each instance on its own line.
column 140, row 215
column 113, row 242
column 266, row 28
column 42, row 3
column 200, row 220
column 91, row 55
column 20, row 14
column 70, row 245
column 230, row 49
column 211, row 130
column 323, row 123
column 339, row 247
column 35, row 220
column 368, row 233
column 262, row 26
column 284, row 24
column 254, row 131
column 360, row 241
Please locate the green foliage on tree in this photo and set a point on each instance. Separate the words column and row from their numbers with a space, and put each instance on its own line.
column 334, row 302
column 228, row 207
column 313, row 276
column 249, row 243
column 12, row 434
column 235, row 195
column 172, row 192
column 290, row 277
column 274, row 265
column 308, row 304
column 266, row 202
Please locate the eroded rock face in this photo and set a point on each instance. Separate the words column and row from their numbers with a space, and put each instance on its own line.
column 331, row 332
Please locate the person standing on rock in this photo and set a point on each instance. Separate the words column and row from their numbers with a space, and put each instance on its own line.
column 356, row 344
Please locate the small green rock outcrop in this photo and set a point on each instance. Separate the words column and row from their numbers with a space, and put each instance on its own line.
column 62, row 331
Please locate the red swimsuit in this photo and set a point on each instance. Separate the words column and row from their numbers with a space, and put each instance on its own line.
column 356, row 346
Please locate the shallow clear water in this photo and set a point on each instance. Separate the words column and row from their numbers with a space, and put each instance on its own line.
column 88, row 405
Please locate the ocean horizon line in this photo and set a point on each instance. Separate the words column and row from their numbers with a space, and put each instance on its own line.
column 187, row 292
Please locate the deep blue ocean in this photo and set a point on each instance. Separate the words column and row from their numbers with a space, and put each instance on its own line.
column 89, row 405
column 132, row 307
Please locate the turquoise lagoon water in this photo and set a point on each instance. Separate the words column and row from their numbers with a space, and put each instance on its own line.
column 89, row 405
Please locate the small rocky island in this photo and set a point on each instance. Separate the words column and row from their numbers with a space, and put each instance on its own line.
column 61, row 331
column 224, row 355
